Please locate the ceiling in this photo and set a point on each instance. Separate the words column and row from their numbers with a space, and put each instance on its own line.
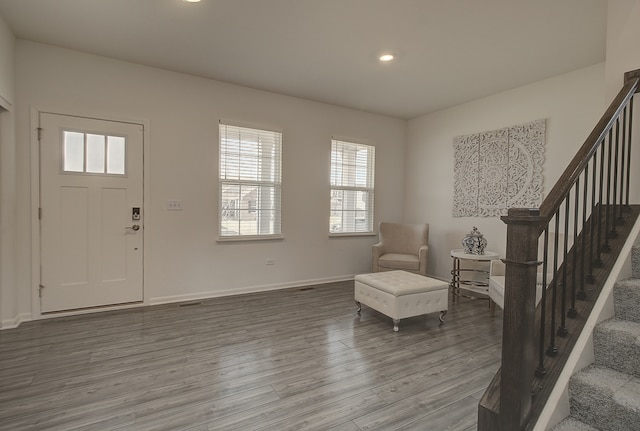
column 447, row 51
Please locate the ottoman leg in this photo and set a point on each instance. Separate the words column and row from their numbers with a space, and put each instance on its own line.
column 359, row 307
column 442, row 314
column 396, row 322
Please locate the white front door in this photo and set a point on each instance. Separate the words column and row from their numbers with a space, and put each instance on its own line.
column 91, row 220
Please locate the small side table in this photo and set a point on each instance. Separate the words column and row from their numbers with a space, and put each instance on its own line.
column 470, row 284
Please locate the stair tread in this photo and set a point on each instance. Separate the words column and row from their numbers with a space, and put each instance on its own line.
column 629, row 282
column 622, row 388
column 606, row 399
column 621, row 325
column 572, row 424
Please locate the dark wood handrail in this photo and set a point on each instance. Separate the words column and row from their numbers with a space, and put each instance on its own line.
column 557, row 194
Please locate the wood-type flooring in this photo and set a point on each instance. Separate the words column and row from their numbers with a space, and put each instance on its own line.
column 295, row 359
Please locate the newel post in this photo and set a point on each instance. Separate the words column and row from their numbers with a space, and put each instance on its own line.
column 518, row 344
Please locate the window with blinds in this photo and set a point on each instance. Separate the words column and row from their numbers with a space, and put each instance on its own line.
column 352, row 191
column 250, row 182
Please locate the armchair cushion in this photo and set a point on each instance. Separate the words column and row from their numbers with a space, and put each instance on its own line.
column 399, row 261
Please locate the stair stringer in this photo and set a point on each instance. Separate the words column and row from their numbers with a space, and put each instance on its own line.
column 557, row 406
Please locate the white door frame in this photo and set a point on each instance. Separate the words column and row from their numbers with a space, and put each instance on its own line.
column 35, row 112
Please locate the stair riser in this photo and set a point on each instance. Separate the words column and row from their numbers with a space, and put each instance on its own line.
column 617, row 350
column 626, row 296
column 635, row 262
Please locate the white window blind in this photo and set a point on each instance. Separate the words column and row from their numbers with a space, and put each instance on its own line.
column 250, row 182
column 352, row 187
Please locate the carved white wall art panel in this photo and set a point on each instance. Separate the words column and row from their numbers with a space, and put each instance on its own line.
column 498, row 170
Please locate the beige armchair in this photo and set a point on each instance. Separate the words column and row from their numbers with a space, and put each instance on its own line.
column 402, row 246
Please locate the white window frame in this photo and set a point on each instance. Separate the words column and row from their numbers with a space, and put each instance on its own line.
column 352, row 174
column 250, row 159
column 85, row 154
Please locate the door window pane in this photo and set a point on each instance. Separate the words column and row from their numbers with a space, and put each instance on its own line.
column 73, row 151
column 115, row 155
column 95, row 153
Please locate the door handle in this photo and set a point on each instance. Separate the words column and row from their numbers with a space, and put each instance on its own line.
column 135, row 227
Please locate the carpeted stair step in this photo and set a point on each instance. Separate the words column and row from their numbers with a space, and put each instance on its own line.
column 635, row 261
column 605, row 399
column 571, row 424
column 626, row 295
column 616, row 344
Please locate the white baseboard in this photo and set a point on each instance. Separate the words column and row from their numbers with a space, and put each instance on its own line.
column 101, row 309
column 244, row 290
column 16, row 321
column 25, row 317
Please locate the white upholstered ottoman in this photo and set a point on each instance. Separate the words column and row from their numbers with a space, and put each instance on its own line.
column 401, row 294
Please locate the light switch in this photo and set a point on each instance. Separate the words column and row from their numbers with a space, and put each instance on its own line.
column 174, row 205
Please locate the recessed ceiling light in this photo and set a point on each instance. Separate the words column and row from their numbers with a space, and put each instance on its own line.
column 386, row 57
column 192, row 1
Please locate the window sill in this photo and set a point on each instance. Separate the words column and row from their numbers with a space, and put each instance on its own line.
column 351, row 234
column 249, row 238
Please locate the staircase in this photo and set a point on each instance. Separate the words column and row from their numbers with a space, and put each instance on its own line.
column 606, row 395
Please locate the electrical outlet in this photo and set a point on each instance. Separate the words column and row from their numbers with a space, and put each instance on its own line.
column 174, row 205
column 271, row 261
